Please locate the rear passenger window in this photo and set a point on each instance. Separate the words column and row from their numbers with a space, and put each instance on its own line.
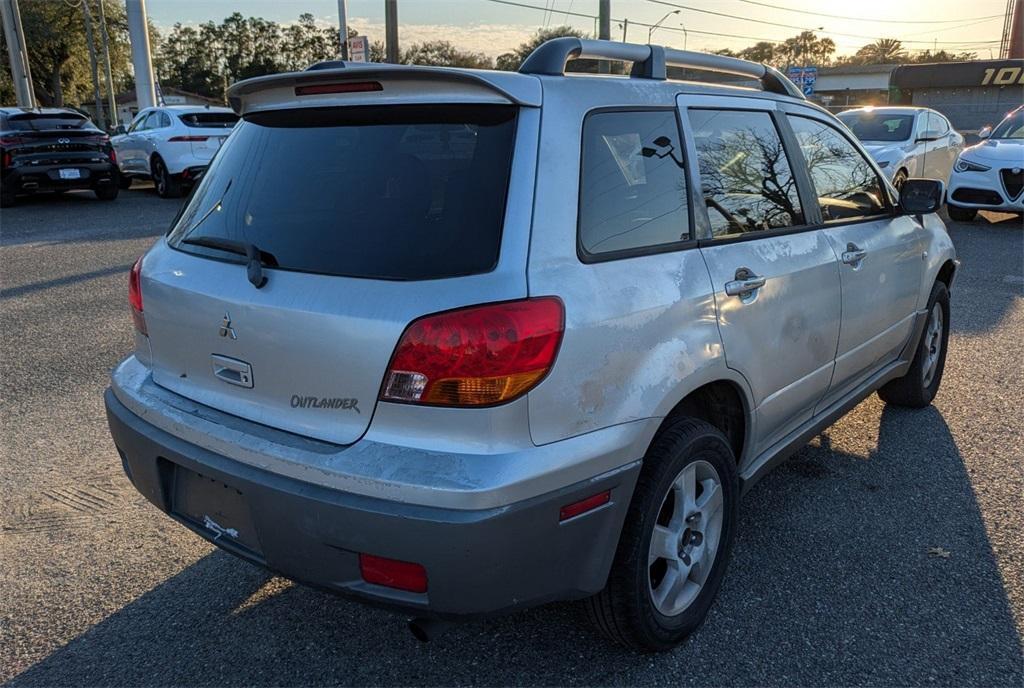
column 632, row 188
column 846, row 185
column 747, row 181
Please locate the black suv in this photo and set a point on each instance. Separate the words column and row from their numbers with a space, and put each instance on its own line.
column 53, row 149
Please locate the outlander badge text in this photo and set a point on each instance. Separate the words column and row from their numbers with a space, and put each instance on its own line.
column 325, row 403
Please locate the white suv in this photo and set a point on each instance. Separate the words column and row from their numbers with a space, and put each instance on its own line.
column 172, row 145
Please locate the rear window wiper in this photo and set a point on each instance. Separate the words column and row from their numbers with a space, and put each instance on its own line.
column 257, row 258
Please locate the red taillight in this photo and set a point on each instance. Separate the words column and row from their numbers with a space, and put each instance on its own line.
column 584, row 505
column 7, row 159
column 391, row 573
column 11, row 140
column 187, row 139
column 349, row 87
column 135, row 296
column 112, row 154
column 476, row 356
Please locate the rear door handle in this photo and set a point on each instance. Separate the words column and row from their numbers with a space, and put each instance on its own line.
column 853, row 254
column 745, row 283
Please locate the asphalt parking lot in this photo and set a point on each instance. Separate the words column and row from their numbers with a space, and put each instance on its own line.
column 888, row 551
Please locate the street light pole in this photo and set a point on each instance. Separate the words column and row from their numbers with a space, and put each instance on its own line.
column 90, row 44
column 20, row 72
column 650, row 31
column 106, row 56
column 343, row 28
column 138, row 35
column 391, row 30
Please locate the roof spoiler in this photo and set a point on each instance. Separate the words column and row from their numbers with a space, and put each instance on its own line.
column 650, row 62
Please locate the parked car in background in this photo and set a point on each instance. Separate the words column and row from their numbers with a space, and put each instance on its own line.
column 990, row 175
column 906, row 141
column 172, row 145
column 537, row 340
column 55, row 150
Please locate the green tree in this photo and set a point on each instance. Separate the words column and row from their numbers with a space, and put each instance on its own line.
column 882, row 51
column 57, row 53
column 304, row 43
column 511, row 62
column 444, row 54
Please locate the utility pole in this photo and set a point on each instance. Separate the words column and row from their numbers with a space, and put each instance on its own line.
column 343, row 28
column 391, row 31
column 111, row 100
column 625, row 28
column 604, row 32
column 91, row 45
column 18, row 54
column 138, row 34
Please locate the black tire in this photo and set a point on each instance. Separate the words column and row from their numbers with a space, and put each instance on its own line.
column 167, row 185
column 915, row 389
column 899, row 178
column 958, row 214
column 625, row 611
column 107, row 192
column 124, row 181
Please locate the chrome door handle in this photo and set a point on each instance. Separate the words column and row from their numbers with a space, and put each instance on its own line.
column 853, row 254
column 746, row 282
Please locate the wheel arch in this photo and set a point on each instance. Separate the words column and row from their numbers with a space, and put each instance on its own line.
column 723, row 403
column 947, row 273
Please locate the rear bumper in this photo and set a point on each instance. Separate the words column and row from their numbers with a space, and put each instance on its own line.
column 31, row 178
column 478, row 561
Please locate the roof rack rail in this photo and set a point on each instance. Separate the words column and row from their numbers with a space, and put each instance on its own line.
column 650, row 62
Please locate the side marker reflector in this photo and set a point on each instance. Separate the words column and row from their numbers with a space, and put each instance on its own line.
column 584, row 505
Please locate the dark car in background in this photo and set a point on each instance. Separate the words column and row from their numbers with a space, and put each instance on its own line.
column 53, row 149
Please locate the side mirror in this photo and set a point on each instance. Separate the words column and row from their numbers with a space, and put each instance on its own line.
column 120, row 129
column 985, row 132
column 921, row 196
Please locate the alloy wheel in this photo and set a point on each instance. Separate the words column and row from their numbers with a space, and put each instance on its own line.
column 933, row 344
column 685, row 538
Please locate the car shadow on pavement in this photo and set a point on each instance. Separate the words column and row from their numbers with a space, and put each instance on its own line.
column 991, row 278
column 849, row 569
column 24, row 289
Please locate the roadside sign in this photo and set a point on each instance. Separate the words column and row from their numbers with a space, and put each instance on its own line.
column 804, row 78
column 359, row 49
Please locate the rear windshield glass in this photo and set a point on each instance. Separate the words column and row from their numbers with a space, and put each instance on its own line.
column 30, row 121
column 400, row 192
column 209, row 120
column 874, row 126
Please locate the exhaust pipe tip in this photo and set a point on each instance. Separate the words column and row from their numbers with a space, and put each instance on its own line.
column 425, row 630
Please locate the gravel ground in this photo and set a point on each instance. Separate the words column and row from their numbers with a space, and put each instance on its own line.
column 835, row 579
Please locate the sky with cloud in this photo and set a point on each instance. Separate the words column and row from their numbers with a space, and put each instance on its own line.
column 494, row 27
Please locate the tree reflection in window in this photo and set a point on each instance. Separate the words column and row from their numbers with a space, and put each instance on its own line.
column 846, row 185
column 747, row 181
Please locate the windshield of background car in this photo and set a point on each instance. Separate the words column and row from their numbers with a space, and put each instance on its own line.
column 395, row 192
column 33, row 121
column 874, row 126
column 1010, row 128
column 209, row 120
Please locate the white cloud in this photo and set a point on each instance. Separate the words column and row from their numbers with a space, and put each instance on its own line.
column 489, row 39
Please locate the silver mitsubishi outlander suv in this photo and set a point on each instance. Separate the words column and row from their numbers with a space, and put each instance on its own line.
column 461, row 342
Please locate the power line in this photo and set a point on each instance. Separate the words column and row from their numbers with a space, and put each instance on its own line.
column 583, row 15
column 790, row 26
column 879, row 21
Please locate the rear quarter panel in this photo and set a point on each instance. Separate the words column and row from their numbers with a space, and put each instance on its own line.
column 640, row 332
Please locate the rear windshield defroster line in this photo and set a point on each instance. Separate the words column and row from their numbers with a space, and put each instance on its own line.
column 393, row 192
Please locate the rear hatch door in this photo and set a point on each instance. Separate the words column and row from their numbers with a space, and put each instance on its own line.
column 207, row 130
column 364, row 219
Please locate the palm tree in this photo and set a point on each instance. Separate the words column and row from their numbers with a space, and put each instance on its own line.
column 882, row 51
